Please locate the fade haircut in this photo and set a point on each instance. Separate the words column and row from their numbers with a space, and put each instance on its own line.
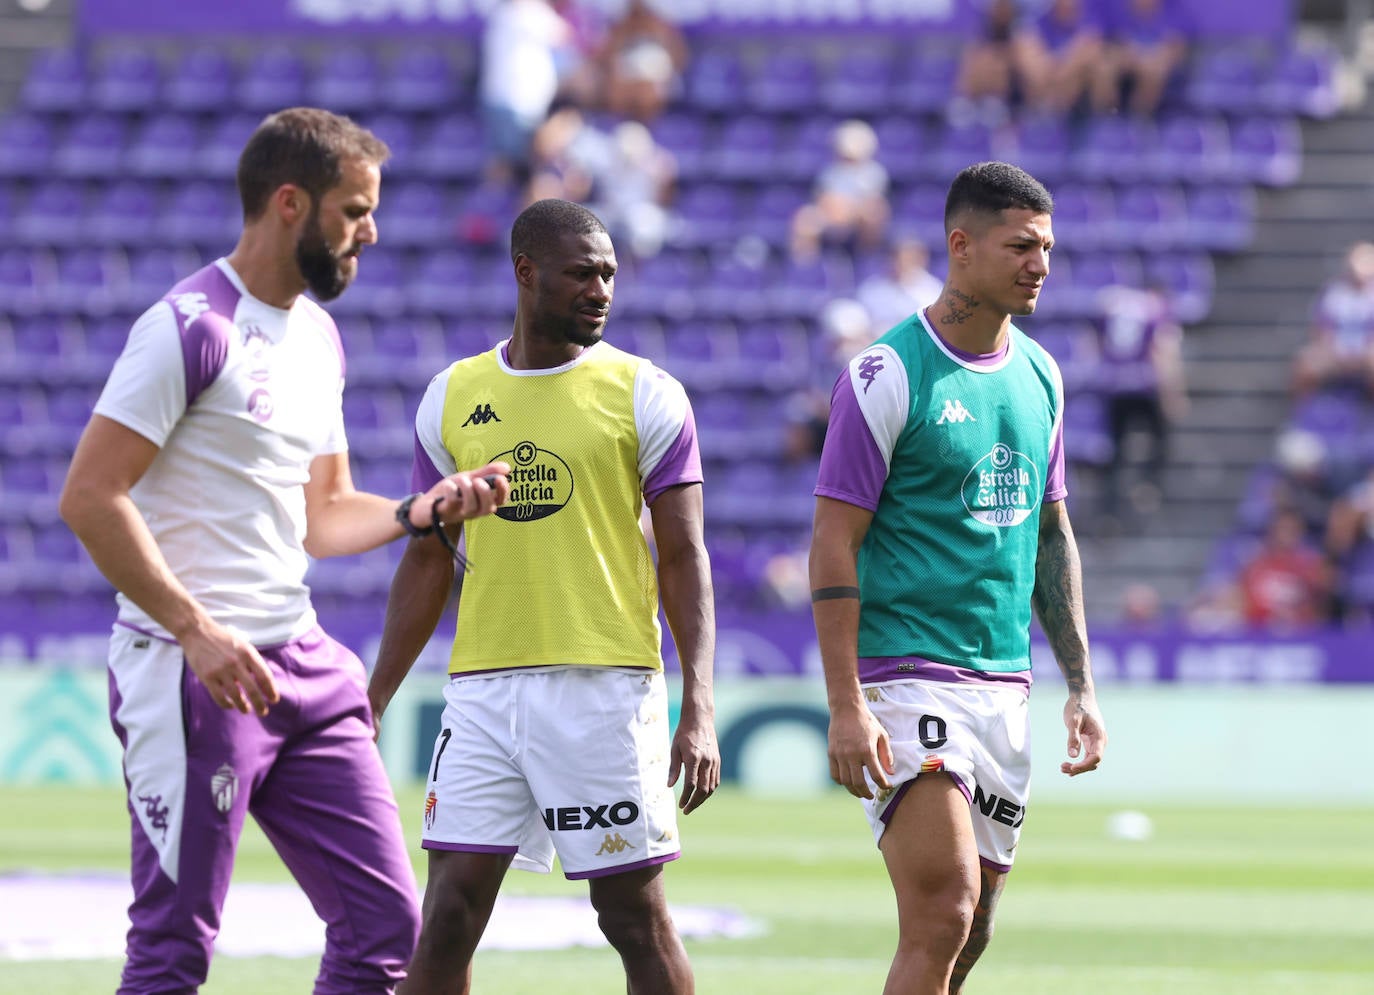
column 544, row 222
column 989, row 188
column 306, row 147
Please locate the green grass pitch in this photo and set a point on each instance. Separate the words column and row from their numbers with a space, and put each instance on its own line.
column 1217, row 901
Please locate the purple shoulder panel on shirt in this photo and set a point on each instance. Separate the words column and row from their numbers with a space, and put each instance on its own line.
column 204, row 305
column 681, row 464
column 423, row 473
column 852, row 468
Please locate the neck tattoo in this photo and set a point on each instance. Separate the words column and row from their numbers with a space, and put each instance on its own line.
column 958, row 307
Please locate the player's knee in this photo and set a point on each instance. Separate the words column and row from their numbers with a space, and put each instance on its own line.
column 946, row 920
column 451, row 915
column 634, row 928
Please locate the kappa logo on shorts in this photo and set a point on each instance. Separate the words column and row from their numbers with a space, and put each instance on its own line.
column 431, row 804
column 614, row 844
column 224, row 786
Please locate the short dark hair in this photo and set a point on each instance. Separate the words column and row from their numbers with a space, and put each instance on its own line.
column 545, row 221
column 304, row 146
column 993, row 187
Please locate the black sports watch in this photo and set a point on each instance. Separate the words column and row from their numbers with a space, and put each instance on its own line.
column 403, row 517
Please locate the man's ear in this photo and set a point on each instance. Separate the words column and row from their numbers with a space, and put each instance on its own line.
column 291, row 203
column 524, row 270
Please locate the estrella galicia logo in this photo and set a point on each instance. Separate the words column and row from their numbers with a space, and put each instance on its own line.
column 869, row 368
column 1002, row 488
column 481, row 414
column 540, row 483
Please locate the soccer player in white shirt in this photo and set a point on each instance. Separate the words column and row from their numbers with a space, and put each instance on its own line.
column 214, row 465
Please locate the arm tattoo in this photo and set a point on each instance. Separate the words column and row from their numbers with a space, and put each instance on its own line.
column 959, row 307
column 1058, row 600
column 835, row 594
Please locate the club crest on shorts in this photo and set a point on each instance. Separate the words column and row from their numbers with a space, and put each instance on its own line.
column 931, row 764
column 224, row 786
column 431, row 804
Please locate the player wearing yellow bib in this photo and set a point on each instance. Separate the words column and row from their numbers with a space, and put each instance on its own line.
column 555, row 733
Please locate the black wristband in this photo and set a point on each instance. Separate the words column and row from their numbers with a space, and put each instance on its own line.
column 403, row 517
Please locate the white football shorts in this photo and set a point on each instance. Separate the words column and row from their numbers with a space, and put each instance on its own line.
column 979, row 735
column 572, row 760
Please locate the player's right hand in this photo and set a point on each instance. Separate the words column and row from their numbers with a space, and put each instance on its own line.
column 231, row 669
column 463, row 495
column 857, row 744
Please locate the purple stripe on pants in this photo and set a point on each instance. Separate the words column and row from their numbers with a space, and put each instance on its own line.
column 312, row 778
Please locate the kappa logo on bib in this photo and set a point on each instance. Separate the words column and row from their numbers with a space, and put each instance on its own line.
column 1003, row 488
column 540, row 483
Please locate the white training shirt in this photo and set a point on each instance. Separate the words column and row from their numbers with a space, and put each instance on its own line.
column 240, row 397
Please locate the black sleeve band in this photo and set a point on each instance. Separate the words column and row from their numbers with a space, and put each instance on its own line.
column 835, row 594
column 403, row 516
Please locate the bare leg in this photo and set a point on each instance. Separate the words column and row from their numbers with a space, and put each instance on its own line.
column 981, row 932
column 458, row 902
column 632, row 911
column 933, row 863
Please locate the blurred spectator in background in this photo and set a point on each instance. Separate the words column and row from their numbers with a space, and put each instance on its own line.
column 636, row 193
column 907, row 287
column 1057, row 52
column 1351, row 521
column 984, row 85
column 645, row 55
column 520, row 46
column 1147, row 42
column 1140, row 347
column 849, row 203
column 568, row 155
column 1341, row 347
column 1142, row 608
column 1287, row 583
column 579, row 71
column 846, row 328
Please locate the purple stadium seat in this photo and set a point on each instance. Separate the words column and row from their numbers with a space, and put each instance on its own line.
column 1083, row 216
column 715, row 80
column 808, row 149
column 1117, row 148
column 378, row 289
column 747, row 147
column 419, row 80
column 55, row 544
column 1188, row 278
column 925, row 79
column 1302, row 81
column 1149, row 217
column 441, row 281
column 903, row 147
column 724, row 426
column 859, row 83
column 274, row 78
column 785, row 81
column 1092, row 273
column 921, row 211
column 1041, row 146
column 167, row 146
column 1222, row 218
column 416, row 213
column 201, row 213
column 1085, row 430
column 23, row 275
column 687, row 136
column 152, row 273
column 454, row 148
column 121, row 212
column 1191, row 149
column 126, row 81
column 56, row 82
column 710, row 213
column 698, row 353
column 70, row 407
column 470, row 338
column 223, row 142
column 52, row 215
column 773, row 354
column 736, row 288
column 960, row 145
column 1225, row 80
column 201, row 80
column 801, row 288
column 45, row 346
column 93, row 146
column 26, row 144
column 1266, row 150
column 1359, row 577
column 88, row 281
column 773, row 210
column 346, row 80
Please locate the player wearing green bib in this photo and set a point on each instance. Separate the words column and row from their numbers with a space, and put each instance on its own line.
column 940, row 523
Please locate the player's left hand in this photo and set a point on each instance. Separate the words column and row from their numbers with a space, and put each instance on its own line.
column 695, row 756
column 1087, row 734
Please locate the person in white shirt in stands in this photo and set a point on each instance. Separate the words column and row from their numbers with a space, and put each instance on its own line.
column 215, row 464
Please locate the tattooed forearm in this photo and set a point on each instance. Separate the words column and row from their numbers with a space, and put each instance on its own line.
column 980, row 932
column 1058, row 597
column 959, row 307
